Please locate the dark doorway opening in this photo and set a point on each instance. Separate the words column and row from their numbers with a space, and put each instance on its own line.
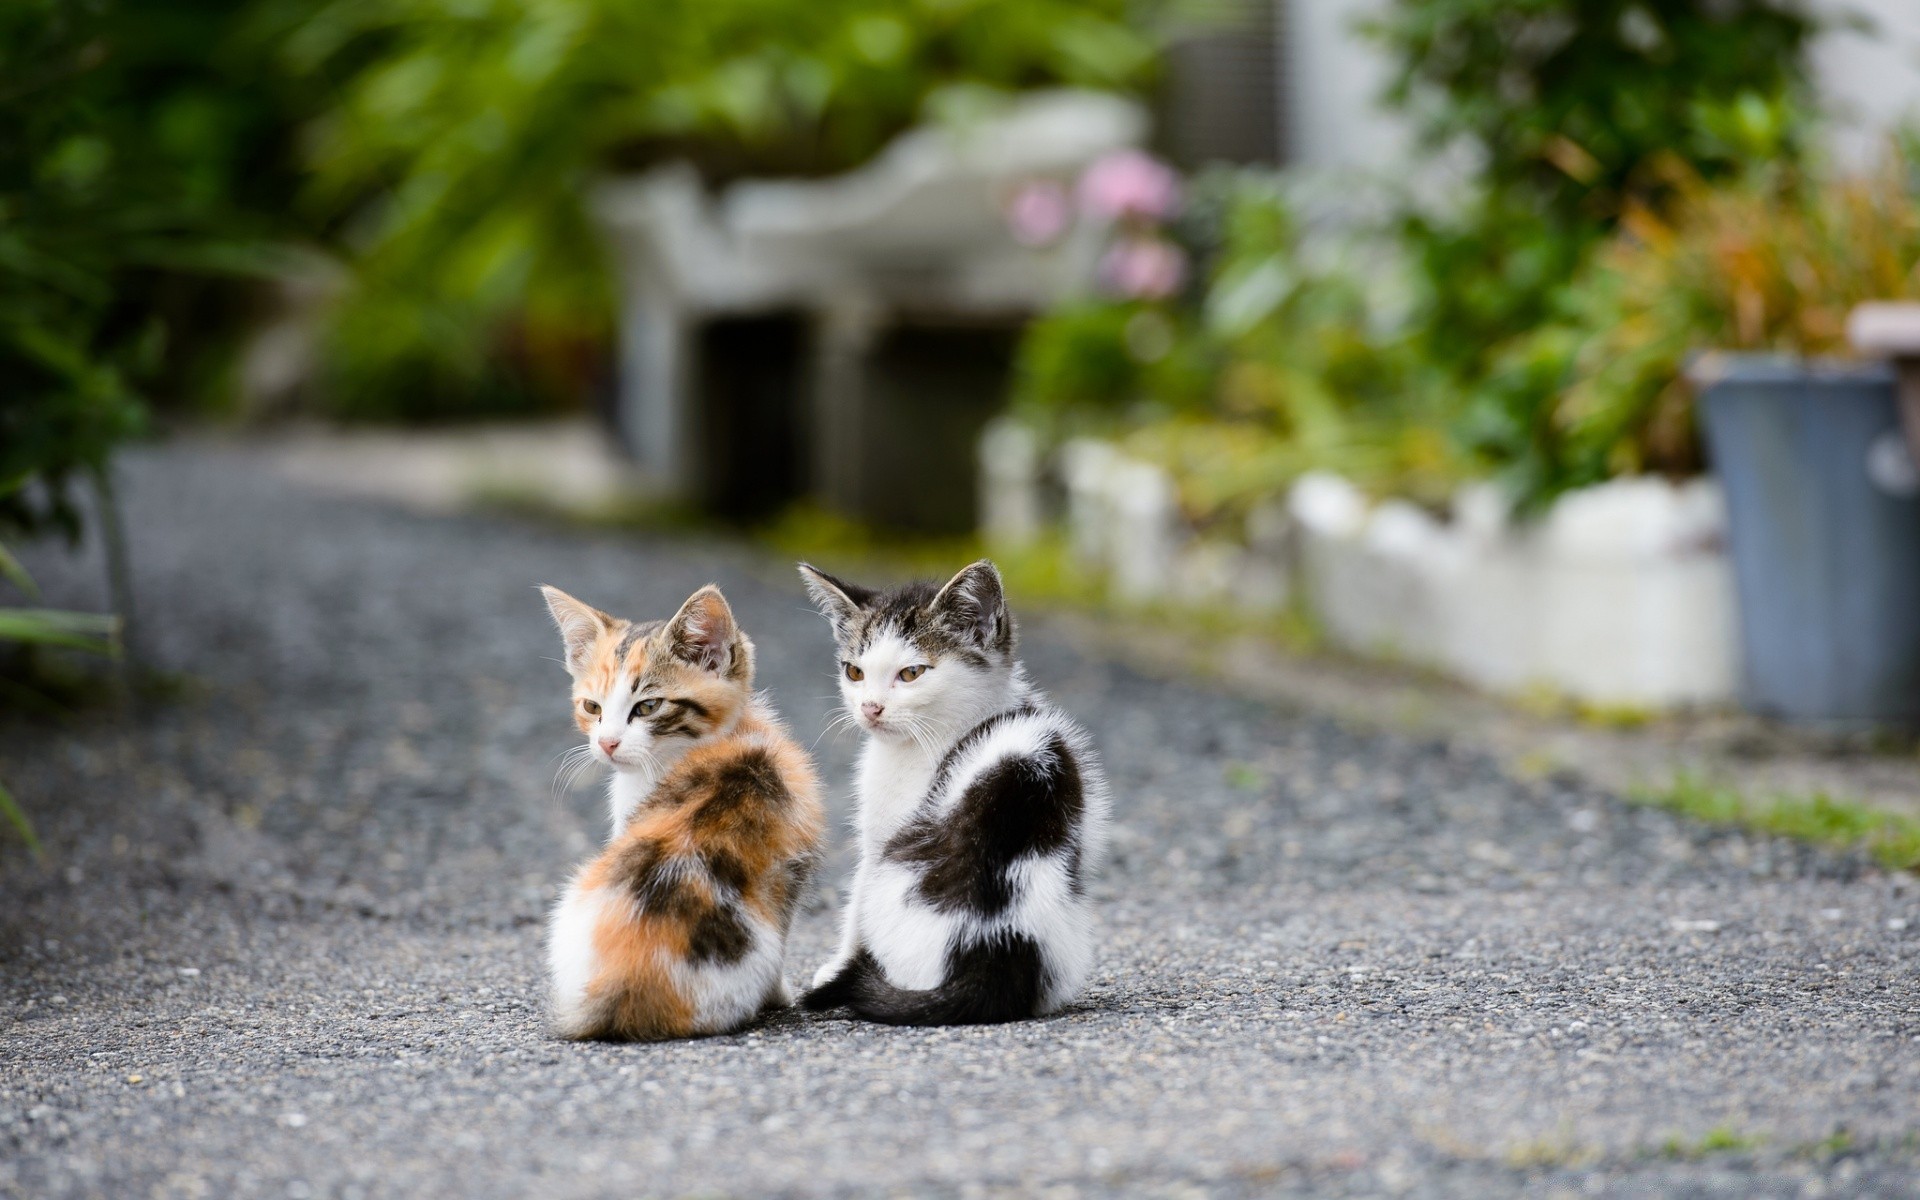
column 930, row 390
column 752, row 390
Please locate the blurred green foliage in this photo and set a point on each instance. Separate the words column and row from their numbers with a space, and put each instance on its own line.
column 467, row 135
column 1474, row 334
column 1280, row 364
column 90, row 633
column 141, row 139
column 441, row 150
column 1772, row 262
column 1573, row 110
column 1577, row 112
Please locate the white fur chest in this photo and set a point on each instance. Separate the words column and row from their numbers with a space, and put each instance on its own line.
column 626, row 791
column 893, row 780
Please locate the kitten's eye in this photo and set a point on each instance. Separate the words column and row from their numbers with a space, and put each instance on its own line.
column 909, row 674
column 855, row 673
column 593, row 710
column 645, row 708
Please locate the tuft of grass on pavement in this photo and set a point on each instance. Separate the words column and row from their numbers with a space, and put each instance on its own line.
column 15, row 818
column 1892, row 839
column 1721, row 1139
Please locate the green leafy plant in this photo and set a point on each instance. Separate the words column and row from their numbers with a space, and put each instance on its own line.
column 91, row 633
column 1582, row 114
column 1575, row 110
column 139, row 140
column 467, row 135
column 1480, row 332
column 1286, row 365
column 1771, row 263
column 137, row 167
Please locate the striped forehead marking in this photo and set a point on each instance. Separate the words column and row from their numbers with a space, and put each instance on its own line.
column 634, row 633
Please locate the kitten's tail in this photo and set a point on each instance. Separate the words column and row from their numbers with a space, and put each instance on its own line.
column 987, row 983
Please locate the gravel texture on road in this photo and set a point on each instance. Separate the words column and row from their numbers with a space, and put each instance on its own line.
column 285, row 938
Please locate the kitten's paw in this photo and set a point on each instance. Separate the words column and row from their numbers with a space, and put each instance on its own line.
column 829, row 971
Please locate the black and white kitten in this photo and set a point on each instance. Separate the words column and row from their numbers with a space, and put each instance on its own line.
column 982, row 810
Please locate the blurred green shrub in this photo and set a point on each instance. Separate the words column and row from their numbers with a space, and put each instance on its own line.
column 1771, row 263
column 467, row 133
column 1477, row 334
column 139, row 136
column 91, row 633
column 1578, row 113
column 1281, row 363
column 136, row 136
column 1575, row 111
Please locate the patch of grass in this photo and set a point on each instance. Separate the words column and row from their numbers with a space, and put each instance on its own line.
column 1543, row 700
column 1552, row 1153
column 1536, row 764
column 1721, row 1139
column 1245, row 777
column 1292, row 627
column 1832, row 1146
column 1892, row 839
column 1615, row 716
column 16, row 817
column 831, row 541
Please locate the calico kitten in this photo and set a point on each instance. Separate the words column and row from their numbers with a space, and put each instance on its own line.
column 982, row 809
column 680, row 925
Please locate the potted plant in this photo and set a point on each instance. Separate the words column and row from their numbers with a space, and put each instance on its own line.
column 1822, row 494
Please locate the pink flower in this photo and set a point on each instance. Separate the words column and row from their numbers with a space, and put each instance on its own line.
column 1130, row 184
column 1038, row 213
column 1143, row 268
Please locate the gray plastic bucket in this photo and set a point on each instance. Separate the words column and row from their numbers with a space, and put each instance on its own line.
column 1823, row 505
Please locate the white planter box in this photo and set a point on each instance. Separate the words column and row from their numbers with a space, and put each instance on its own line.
column 1620, row 595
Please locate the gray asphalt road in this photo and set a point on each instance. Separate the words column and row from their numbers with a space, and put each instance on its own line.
column 286, row 938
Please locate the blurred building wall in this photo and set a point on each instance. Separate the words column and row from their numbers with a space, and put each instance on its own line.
column 1335, row 78
column 1226, row 86
column 1871, row 80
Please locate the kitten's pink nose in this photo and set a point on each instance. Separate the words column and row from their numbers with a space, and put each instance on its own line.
column 872, row 709
column 609, row 745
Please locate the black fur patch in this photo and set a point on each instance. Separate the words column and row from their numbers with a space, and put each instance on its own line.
column 795, row 875
column 839, row 990
column 746, row 788
column 968, row 740
column 715, row 933
column 649, row 875
column 1016, row 808
column 677, row 789
column 995, row 979
column 680, row 718
column 727, row 870
column 719, row 935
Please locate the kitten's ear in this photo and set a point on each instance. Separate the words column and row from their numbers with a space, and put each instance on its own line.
column 579, row 624
column 974, row 605
column 838, row 601
column 705, row 634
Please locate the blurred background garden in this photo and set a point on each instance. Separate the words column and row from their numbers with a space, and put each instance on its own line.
column 1379, row 322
